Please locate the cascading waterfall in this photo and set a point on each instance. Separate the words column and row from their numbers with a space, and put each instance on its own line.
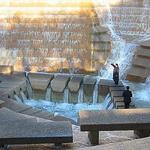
column 66, row 95
column 122, row 52
column 17, row 98
column 23, row 96
column 95, row 91
column 48, row 94
column 80, row 95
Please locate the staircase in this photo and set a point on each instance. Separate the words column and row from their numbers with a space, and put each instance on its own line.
column 140, row 69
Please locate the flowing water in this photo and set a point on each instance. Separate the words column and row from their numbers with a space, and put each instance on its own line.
column 122, row 53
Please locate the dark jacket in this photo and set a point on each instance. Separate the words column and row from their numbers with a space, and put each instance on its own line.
column 127, row 96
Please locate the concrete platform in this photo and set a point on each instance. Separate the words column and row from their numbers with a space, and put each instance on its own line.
column 104, row 86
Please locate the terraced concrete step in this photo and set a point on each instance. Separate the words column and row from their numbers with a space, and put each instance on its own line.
column 119, row 105
column 137, row 74
column 145, row 44
column 15, row 106
column 44, row 115
column 141, row 62
column 116, row 93
column 143, row 52
column 7, row 115
column 116, row 88
column 118, row 99
column 110, row 83
column 31, row 111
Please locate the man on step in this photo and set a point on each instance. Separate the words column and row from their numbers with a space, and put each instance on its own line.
column 127, row 94
column 116, row 73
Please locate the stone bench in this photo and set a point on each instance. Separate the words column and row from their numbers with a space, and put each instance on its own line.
column 22, row 132
column 16, row 128
column 120, row 119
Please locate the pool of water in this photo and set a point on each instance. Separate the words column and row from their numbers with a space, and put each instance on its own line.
column 65, row 109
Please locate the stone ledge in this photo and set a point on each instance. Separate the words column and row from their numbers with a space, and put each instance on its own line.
column 59, row 83
column 74, row 83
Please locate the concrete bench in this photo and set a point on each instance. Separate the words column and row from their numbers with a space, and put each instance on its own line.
column 16, row 128
column 22, row 132
column 121, row 119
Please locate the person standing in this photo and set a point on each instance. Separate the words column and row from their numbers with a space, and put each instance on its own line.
column 127, row 94
column 116, row 73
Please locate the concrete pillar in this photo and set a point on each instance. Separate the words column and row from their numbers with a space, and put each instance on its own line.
column 93, row 137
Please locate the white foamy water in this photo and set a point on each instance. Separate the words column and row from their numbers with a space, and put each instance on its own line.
column 64, row 109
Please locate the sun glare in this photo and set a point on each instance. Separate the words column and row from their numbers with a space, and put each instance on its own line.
column 107, row 2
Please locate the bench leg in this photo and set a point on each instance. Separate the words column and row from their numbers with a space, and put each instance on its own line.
column 142, row 133
column 94, row 137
